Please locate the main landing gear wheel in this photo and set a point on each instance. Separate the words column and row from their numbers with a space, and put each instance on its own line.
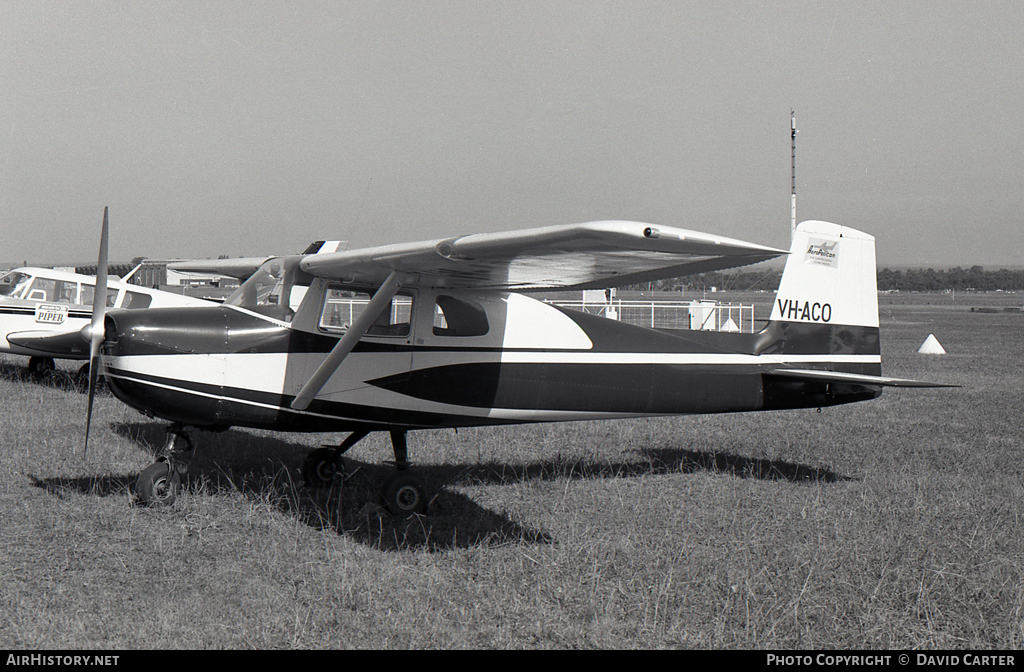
column 81, row 378
column 320, row 467
column 41, row 367
column 406, row 494
column 158, row 484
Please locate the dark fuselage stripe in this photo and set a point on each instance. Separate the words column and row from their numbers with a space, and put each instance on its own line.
column 29, row 312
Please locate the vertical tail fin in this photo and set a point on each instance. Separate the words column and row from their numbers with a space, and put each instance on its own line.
column 829, row 278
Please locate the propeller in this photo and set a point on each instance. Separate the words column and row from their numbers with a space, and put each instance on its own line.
column 94, row 332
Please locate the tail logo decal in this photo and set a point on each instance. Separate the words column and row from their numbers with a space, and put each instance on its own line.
column 822, row 253
column 808, row 312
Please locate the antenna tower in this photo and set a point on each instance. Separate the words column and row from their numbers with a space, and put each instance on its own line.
column 792, row 220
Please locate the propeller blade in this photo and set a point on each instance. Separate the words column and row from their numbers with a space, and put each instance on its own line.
column 99, row 308
column 99, row 299
column 94, row 364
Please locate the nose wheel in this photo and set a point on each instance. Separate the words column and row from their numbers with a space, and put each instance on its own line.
column 159, row 483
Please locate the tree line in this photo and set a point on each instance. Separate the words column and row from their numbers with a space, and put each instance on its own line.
column 960, row 279
column 975, row 278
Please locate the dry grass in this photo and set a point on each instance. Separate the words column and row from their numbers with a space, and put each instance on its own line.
column 890, row 524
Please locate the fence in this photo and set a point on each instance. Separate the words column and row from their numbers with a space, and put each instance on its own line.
column 700, row 315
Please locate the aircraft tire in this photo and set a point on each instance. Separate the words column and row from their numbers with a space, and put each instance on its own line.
column 40, row 367
column 81, row 378
column 318, row 470
column 158, row 485
column 406, row 494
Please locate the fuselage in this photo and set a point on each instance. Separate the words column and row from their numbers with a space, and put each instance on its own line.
column 35, row 301
column 451, row 359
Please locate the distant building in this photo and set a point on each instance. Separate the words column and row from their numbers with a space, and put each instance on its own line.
column 155, row 274
column 120, row 270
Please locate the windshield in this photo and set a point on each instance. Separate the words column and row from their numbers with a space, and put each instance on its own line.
column 275, row 290
column 13, row 283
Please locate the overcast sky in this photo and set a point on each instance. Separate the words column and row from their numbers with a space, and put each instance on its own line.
column 246, row 128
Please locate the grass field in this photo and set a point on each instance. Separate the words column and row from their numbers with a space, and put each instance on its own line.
column 895, row 523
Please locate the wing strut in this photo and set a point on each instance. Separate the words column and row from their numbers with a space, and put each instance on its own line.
column 378, row 304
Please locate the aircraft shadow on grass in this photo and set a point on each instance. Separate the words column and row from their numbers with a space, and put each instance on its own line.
column 258, row 470
column 653, row 461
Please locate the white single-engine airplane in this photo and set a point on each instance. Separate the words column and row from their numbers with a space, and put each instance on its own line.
column 43, row 302
column 55, row 305
column 438, row 334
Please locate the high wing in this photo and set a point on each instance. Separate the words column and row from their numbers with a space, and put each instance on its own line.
column 239, row 267
column 574, row 256
column 243, row 267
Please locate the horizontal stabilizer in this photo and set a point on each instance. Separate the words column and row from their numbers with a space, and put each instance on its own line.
column 814, row 375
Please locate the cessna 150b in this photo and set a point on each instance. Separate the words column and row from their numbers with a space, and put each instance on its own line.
column 443, row 334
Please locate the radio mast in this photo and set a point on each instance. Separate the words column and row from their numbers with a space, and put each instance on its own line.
column 792, row 221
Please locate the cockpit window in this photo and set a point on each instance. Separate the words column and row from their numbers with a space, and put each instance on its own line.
column 52, row 291
column 13, row 283
column 136, row 300
column 459, row 317
column 342, row 305
column 275, row 290
column 89, row 292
